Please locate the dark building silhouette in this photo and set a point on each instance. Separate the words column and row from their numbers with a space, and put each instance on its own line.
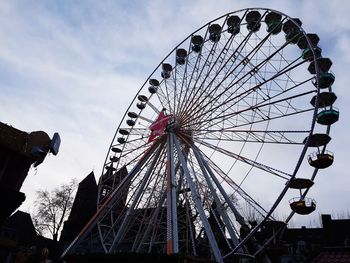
column 18, row 151
column 19, row 228
column 332, row 234
column 84, row 207
column 111, row 179
column 18, row 237
column 310, row 244
column 20, row 243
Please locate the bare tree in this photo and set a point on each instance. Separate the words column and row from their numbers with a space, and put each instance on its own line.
column 251, row 214
column 52, row 209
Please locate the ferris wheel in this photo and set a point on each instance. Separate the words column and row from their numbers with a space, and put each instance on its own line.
column 232, row 121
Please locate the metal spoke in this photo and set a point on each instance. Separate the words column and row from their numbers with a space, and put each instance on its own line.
column 249, row 74
column 252, row 163
column 258, row 136
column 252, row 108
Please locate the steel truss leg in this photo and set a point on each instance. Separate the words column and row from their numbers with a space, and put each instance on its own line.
column 198, row 203
column 220, row 208
column 172, row 229
column 239, row 218
column 123, row 227
column 103, row 209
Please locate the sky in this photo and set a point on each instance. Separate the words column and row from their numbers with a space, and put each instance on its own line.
column 73, row 67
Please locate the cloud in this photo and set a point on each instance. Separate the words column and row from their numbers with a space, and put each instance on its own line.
column 75, row 67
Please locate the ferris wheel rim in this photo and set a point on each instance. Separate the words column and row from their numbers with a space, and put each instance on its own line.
column 180, row 43
column 313, row 121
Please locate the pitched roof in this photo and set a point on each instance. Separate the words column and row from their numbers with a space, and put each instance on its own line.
column 22, row 223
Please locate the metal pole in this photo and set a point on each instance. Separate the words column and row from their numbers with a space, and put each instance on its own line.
column 197, row 200
column 172, row 229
